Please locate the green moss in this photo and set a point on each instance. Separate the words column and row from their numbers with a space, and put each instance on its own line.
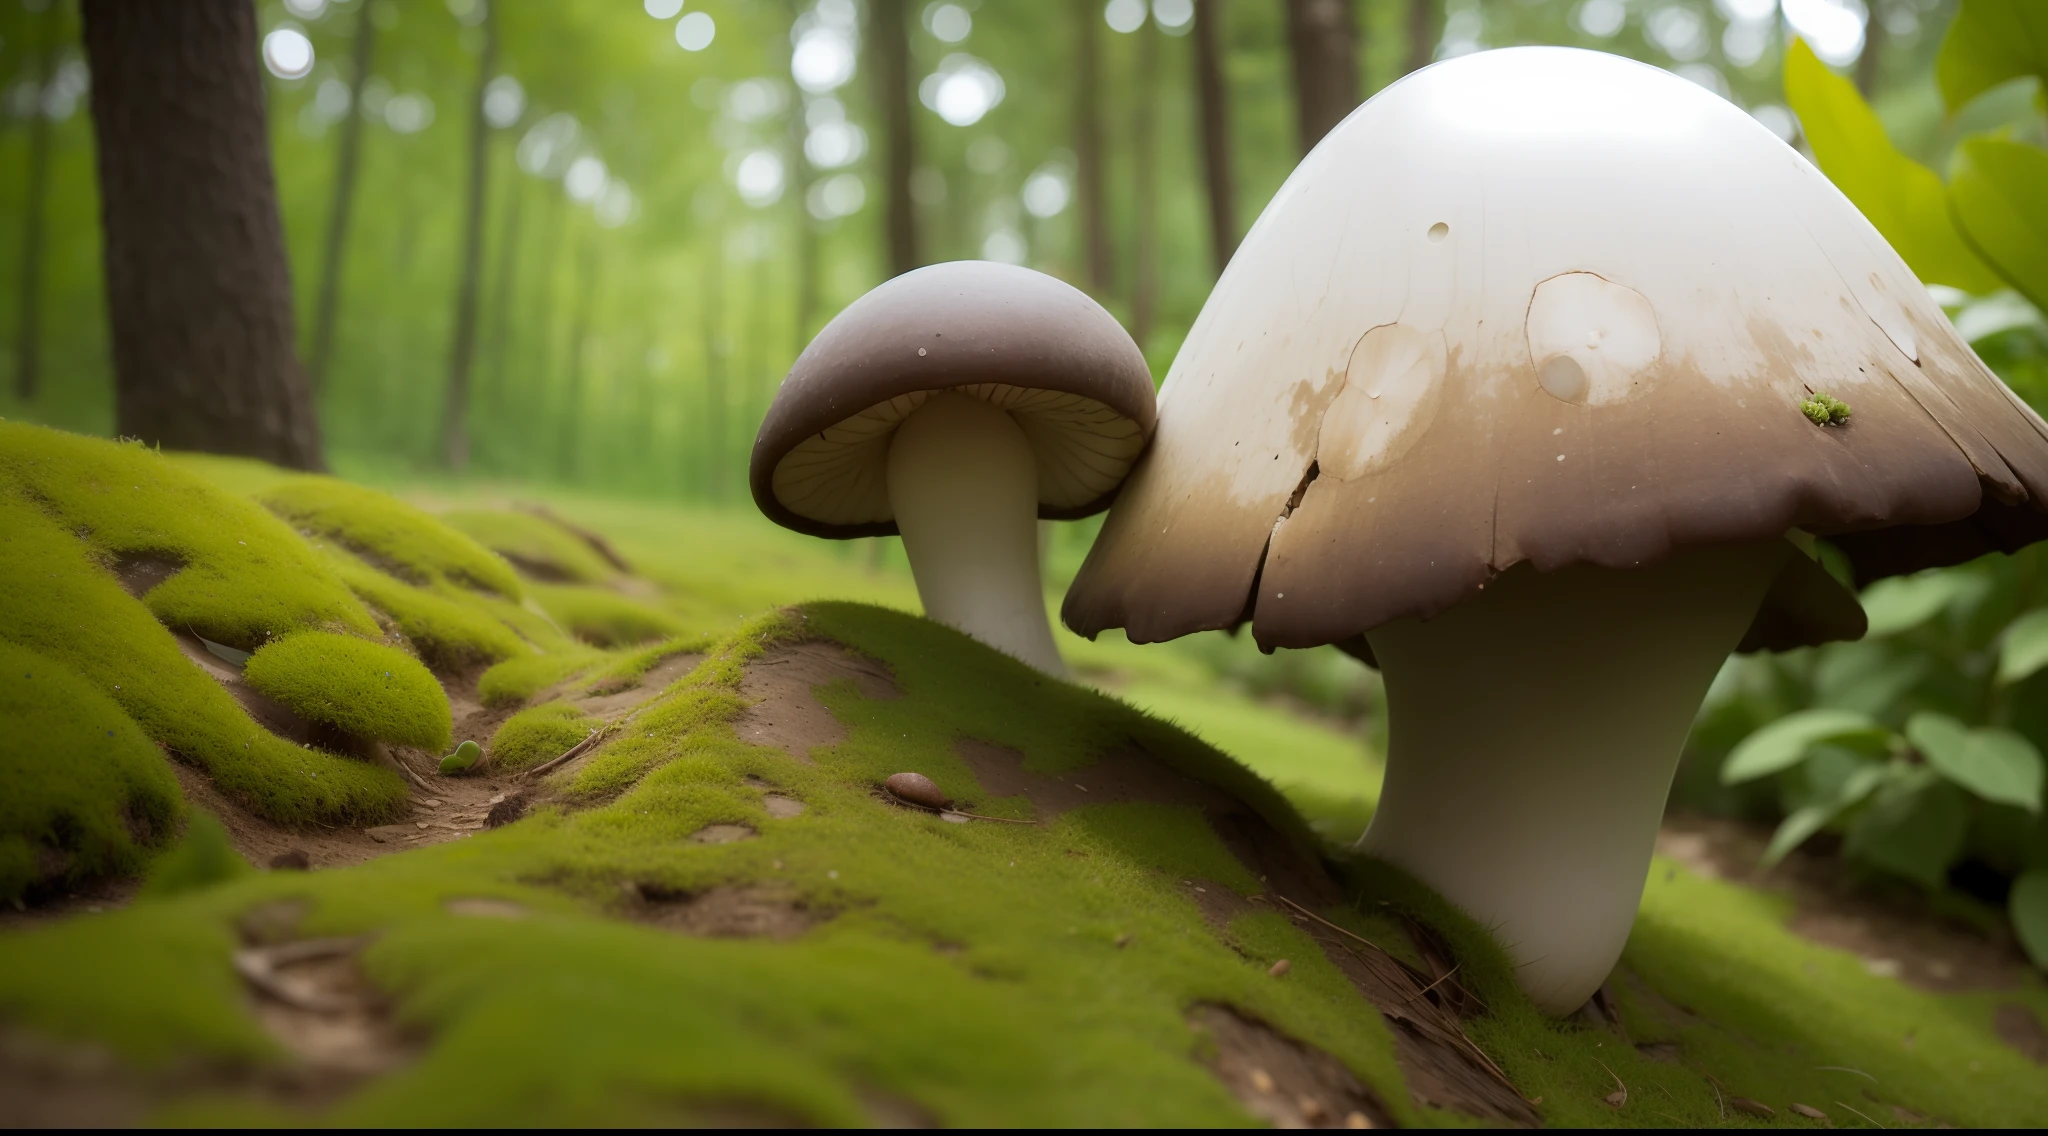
column 517, row 679
column 203, row 859
column 365, row 688
column 1825, row 410
column 539, row 548
column 244, row 575
column 450, row 632
column 57, row 600
column 394, row 536
column 87, row 794
column 602, row 617
column 539, row 733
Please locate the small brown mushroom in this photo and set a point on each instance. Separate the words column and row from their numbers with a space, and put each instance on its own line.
column 916, row 789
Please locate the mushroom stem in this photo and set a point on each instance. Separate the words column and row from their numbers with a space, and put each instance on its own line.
column 1534, row 732
column 964, row 487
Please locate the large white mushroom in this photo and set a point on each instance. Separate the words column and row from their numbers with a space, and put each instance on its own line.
column 957, row 405
column 1527, row 384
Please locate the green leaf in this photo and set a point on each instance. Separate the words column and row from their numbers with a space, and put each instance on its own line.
column 1991, row 42
column 1902, row 603
column 1902, row 198
column 1914, row 829
column 1783, row 743
column 1999, row 190
column 2025, row 649
column 2028, row 905
column 1998, row 765
column 1804, row 822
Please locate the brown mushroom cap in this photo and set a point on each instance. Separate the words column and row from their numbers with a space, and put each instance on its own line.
column 1553, row 307
column 1063, row 367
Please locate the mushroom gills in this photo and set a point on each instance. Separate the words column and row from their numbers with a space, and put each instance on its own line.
column 963, row 484
column 1534, row 730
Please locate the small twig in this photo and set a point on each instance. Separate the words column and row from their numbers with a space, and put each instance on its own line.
column 1859, row 1112
column 258, row 967
column 1623, row 1094
column 575, row 751
column 955, row 812
column 1841, row 1069
column 1330, row 925
column 1720, row 1105
column 1440, row 981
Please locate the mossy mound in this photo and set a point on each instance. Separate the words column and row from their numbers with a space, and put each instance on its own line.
column 537, row 546
column 537, row 734
column 391, row 535
column 604, row 618
column 86, row 792
column 578, row 967
column 515, row 680
column 59, row 600
column 367, row 689
column 219, row 566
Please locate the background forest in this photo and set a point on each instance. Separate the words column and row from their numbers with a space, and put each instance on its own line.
column 577, row 246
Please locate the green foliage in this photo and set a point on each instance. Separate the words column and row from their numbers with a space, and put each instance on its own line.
column 538, row 547
column 204, row 858
column 2025, row 647
column 603, row 618
column 539, row 733
column 1825, row 410
column 365, row 688
column 87, row 793
column 57, row 599
column 2030, row 914
column 1904, row 199
column 1994, row 764
column 241, row 575
column 2000, row 194
column 398, row 539
column 1988, row 43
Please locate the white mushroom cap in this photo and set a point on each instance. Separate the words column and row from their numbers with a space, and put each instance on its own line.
column 1555, row 306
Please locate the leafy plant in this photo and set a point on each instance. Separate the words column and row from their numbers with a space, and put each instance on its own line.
column 1920, row 746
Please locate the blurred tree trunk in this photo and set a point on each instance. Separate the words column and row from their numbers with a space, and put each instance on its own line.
column 462, row 353
column 889, row 38
column 28, row 328
column 806, row 231
column 1322, row 36
column 346, row 159
column 1145, row 225
column 712, row 310
column 1212, row 92
column 1422, row 33
column 1088, row 179
column 569, row 459
column 1870, row 64
column 497, row 319
column 199, row 293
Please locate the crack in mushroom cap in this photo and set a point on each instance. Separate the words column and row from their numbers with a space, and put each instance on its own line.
column 1555, row 306
column 1063, row 368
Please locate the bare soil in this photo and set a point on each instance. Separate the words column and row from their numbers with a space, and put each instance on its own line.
column 747, row 911
column 1280, row 1080
column 785, row 712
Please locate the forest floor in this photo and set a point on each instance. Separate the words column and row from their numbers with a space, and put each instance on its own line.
column 711, row 913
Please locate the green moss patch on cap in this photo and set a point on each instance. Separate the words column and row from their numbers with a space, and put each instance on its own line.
column 391, row 534
column 538, row 547
column 86, row 792
column 57, row 600
column 365, row 688
column 539, row 733
column 604, row 618
column 240, row 574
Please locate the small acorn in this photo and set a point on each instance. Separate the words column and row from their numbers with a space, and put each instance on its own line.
column 463, row 759
column 915, row 788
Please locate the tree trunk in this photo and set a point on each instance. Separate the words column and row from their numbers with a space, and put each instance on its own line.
column 1088, row 179
column 497, row 325
column 1869, row 65
column 1145, row 225
column 28, row 328
column 346, row 158
column 712, row 311
column 1322, row 36
column 462, row 353
column 570, row 444
column 889, row 36
column 1422, row 33
column 806, row 231
column 1212, row 92
column 199, row 293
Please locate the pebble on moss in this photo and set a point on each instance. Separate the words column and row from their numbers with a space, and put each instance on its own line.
column 915, row 788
